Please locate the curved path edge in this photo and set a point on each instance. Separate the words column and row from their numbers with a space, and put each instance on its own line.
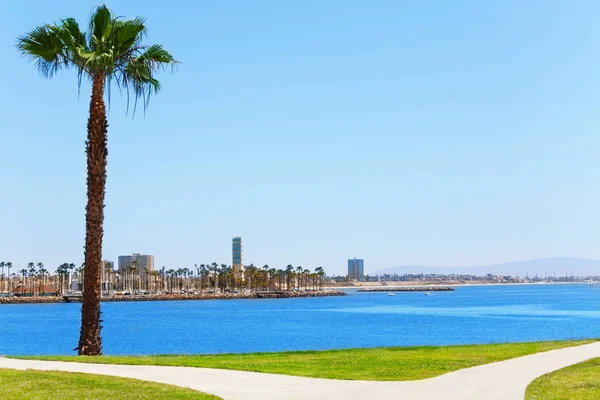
column 505, row 380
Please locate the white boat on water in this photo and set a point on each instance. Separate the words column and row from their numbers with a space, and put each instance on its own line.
column 591, row 282
column 391, row 294
column 427, row 293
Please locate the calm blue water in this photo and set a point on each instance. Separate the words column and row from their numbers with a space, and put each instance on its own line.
column 468, row 315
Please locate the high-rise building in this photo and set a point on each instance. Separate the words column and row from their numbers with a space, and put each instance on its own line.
column 356, row 270
column 236, row 255
column 145, row 263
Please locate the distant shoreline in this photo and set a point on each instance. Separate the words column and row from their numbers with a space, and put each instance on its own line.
column 408, row 284
column 175, row 297
column 429, row 288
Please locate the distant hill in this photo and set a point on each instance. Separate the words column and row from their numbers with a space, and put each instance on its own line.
column 541, row 266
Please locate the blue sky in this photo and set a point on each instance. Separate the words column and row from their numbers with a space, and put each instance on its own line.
column 427, row 133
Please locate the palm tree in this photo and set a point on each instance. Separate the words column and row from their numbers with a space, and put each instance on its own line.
column 280, row 274
column 42, row 272
column 108, row 282
column 299, row 270
column 2, row 265
column 133, row 268
column 8, row 267
column 249, row 274
column 203, row 271
column 215, row 268
column 23, row 277
column 289, row 270
column 265, row 274
column 70, row 266
column 112, row 50
column 320, row 273
column 62, row 272
column 170, row 280
column 31, row 271
column 272, row 274
column 163, row 271
column 306, row 274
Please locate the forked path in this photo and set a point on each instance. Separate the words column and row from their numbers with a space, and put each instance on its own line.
column 505, row 380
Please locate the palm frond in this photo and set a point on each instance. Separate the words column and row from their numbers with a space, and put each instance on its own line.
column 74, row 42
column 138, row 73
column 45, row 47
column 157, row 56
column 70, row 34
column 100, row 28
column 128, row 34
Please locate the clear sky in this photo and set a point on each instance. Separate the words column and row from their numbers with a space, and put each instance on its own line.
column 424, row 132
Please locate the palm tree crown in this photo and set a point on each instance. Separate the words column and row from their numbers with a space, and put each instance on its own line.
column 111, row 49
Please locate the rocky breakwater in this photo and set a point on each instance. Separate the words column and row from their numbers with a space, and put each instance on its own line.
column 408, row 289
column 171, row 297
column 30, row 300
column 224, row 296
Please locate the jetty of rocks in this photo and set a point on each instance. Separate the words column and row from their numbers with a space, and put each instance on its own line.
column 408, row 289
column 167, row 297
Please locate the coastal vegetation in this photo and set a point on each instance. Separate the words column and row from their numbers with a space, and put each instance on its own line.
column 577, row 382
column 202, row 278
column 377, row 364
column 110, row 52
column 16, row 384
column 460, row 278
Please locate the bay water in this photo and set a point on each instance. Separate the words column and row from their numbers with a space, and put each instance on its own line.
column 475, row 314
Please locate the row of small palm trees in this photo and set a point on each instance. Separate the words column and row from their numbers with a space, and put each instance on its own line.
column 223, row 277
column 210, row 277
column 34, row 279
column 31, row 279
column 5, row 281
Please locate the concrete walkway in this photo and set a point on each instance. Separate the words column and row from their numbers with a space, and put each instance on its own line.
column 504, row 380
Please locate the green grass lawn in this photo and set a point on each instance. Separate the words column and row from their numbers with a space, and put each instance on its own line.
column 378, row 364
column 38, row 385
column 577, row 382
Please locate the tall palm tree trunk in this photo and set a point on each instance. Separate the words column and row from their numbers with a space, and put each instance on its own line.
column 90, row 342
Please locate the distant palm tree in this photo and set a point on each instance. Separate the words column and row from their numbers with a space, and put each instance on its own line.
column 170, row 274
column 289, row 270
column 133, row 268
column 63, row 273
column 272, row 275
column 8, row 267
column 306, row 274
column 23, row 279
column 215, row 268
column 163, row 271
column 42, row 272
column 203, row 272
column 320, row 273
column 31, row 273
column 40, row 267
column 2, row 265
column 112, row 50
column 70, row 267
column 299, row 270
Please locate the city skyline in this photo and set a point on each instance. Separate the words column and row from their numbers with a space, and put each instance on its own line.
column 462, row 137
